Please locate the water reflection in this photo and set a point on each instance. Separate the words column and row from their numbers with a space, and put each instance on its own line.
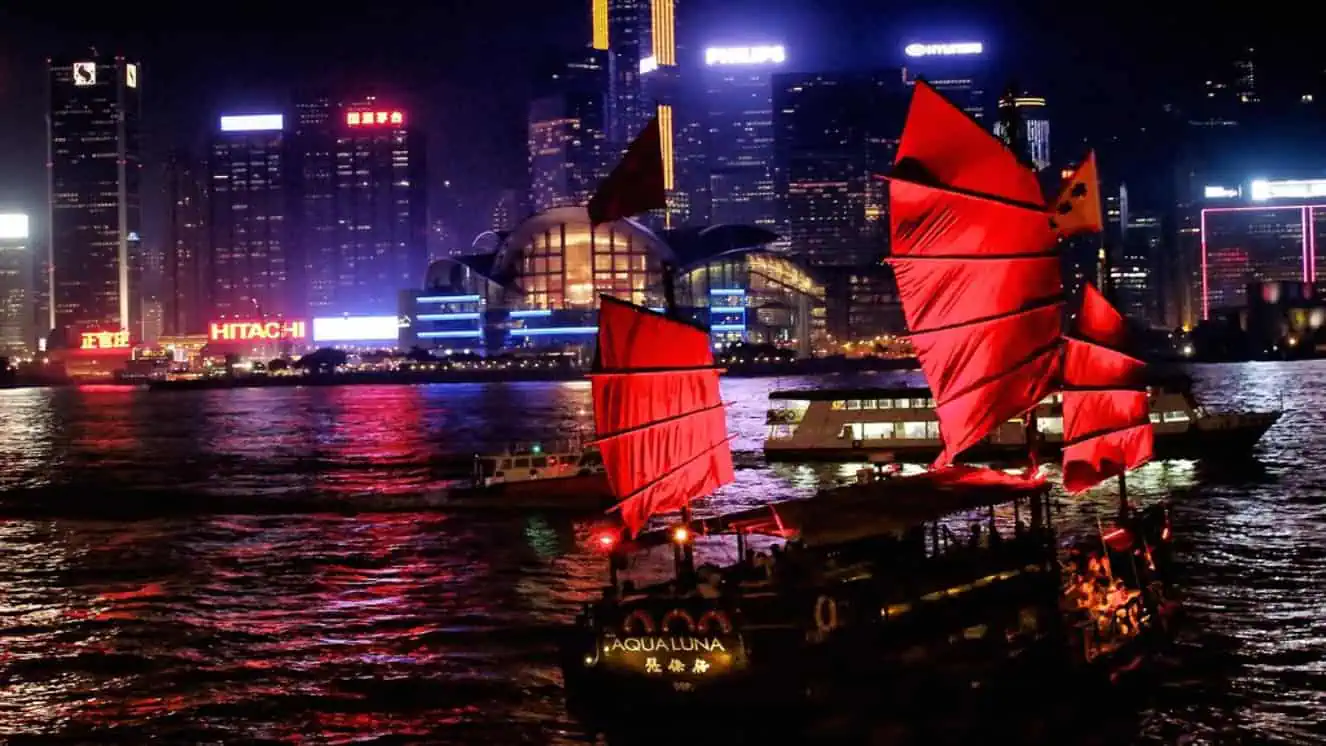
column 249, row 612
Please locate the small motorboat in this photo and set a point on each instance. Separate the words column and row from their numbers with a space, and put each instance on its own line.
column 566, row 477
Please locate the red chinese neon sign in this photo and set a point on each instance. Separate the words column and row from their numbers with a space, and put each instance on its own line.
column 105, row 340
column 250, row 331
column 374, row 118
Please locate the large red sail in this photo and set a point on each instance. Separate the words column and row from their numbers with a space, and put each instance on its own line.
column 1107, row 426
column 977, row 268
column 659, row 420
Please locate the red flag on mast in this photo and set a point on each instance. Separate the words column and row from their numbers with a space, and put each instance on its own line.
column 636, row 184
column 1077, row 210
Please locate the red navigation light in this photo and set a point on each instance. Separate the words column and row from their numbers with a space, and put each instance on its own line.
column 605, row 539
column 374, row 118
column 681, row 534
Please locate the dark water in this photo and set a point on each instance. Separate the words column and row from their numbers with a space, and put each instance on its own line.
column 170, row 570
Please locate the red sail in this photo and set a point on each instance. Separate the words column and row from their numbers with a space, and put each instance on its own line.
column 978, row 272
column 1107, row 426
column 658, row 416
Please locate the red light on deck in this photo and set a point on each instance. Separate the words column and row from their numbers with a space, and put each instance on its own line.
column 681, row 534
column 604, row 540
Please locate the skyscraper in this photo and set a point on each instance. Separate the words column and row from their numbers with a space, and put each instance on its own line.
column 94, row 169
column 15, row 285
column 835, row 135
column 1033, row 127
column 253, row 265
column 568, row 147
column 739, row 104
column 366, row 220
column 184, row 286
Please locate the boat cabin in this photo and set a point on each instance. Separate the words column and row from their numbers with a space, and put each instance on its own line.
column 537, row 461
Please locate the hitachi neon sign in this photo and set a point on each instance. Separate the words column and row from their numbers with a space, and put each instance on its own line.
column 249, row 331
column 105, row 340
column 374, row 118
column 946, row 49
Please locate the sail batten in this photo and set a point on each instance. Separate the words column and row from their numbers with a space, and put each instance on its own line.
column 659, row 420
column 1107, row 420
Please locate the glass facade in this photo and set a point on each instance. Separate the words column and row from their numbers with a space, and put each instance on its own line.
column 560, row 264
column 1242, row 245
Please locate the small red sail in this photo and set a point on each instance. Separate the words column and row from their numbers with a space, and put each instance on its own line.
column 1107, row 425
column 977, row 269
column 659, row 420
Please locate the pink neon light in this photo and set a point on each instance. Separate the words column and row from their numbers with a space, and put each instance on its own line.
column 1206, row 308
column 1309, row 235
column 1312, row 244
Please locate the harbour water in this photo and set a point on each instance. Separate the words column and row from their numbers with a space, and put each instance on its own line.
column 176, row 566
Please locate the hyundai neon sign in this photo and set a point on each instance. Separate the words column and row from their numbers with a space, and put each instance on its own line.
column 256, row 331
column 945, row 49
column 766, row 55
column 1263, row 190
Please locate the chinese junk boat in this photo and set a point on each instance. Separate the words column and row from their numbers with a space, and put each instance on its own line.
column 908, row 582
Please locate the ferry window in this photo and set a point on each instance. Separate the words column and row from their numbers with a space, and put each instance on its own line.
column 886, row 404
column 913, row 430
column 853, row 403
column 1053, row 425
column 1176, row 416
column 877, row 430
column 522, row 463
column 779, row 432
column 539, row 463
column 838, row 405
column 923, row 403
column 867, row 403
column 1155, row 417
column 932, row 430
column 506, row 463
column 904, row 403
column 851, row 431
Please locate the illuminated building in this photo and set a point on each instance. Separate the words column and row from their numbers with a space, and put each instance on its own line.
column 541, row 286
column 15, row 285
column 508, row 209
column 253, row 266
column 956, row 69
column 94, row 165
column 185, row 285
column 364, row 205
column 835, row 135
column 568, row 132
column 1137, row 275
column 629, row 44
column 1034, row 127
column 739, row 103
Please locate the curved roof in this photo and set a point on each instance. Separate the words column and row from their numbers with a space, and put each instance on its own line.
column 702, row 243
column 577, row 216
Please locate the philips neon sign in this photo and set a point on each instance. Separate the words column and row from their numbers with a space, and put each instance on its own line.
column 374, row 118
column 249, row 331
column 773, row 54
column 946, row 49
column 1263, row 190
column 105, row 340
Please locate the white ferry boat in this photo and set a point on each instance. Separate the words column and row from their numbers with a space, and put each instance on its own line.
column 899, row 424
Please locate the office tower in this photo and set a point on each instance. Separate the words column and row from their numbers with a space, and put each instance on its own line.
column 835, row 136
column 15, row 285
column 1032, row 127
column 508, row 210
column 184, row 282
column 364, row 217
column 253, row 267
column 738, row 84
column 94, row 169
column 567, row 139
column 959, row 70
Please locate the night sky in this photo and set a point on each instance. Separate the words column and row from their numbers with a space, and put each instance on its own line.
column 464, row 66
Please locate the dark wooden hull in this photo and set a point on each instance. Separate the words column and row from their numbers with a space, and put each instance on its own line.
column 581, row 493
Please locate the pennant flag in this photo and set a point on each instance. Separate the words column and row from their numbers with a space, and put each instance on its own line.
column 1077, row 210
column 636, row 184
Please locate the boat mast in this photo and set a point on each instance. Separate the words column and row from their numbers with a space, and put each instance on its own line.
column 1111, row 294
column 683, row 551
